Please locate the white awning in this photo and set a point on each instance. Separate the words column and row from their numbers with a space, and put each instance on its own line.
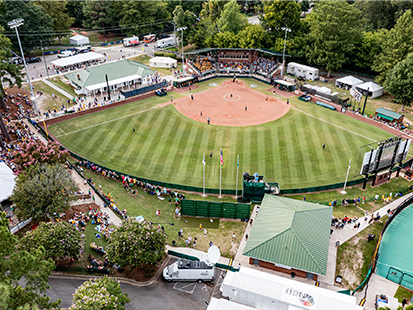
column 6, row 181
column 114, row 82
column 77, row 59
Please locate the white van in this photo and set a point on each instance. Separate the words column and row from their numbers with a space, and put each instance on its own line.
column 65, row 54
column 187, row 270
column 165, row 42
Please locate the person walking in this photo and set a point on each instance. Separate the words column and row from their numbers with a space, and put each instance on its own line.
column 192, row 97
column 201, row 113
column 208, row 121
column 324, row 146
column 246, row 237
column 233, row 236
column 337, row 243
column 172, row 99
column 404, row 302
column 246, row 108
column 133, row 129
column 288, row 101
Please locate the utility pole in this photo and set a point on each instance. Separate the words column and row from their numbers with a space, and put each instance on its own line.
column 285, row 41
column 45, row 64
column 182, row 42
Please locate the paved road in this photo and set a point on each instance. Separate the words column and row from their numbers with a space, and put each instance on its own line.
column 159, row 295
column 36, row 70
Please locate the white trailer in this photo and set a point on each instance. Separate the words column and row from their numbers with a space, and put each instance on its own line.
column 165, row 42
column 224, row 304
column 266, row 291
column 309, row 73
column 132, row 41
column 188, row 270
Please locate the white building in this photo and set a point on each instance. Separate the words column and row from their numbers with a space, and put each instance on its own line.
column 309, row 73
column 123, row 75
column 163, row 62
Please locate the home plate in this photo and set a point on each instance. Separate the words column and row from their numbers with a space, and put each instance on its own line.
column 229, row 116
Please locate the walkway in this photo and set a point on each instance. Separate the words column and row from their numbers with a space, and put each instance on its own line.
column 57, row 88
column 200, row 254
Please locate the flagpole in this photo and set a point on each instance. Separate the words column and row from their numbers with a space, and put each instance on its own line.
column 203, row 163
column 236, row 182
column 345, row 183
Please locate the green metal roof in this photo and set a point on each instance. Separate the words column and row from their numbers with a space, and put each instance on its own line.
column 291, row 232
column 115, row 70
column 201, row 51
column 388, row 113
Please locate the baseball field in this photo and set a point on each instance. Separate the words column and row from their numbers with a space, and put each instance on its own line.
column 282, row 142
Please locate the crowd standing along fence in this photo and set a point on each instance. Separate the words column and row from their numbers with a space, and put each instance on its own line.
column 214, row 209
column 407, row 202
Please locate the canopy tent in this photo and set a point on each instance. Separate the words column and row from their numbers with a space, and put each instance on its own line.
column 78, row 40
column 280, row 84
column 6, row 181
column 374, row 89
column 163, row 62
column 77, row 59
column 348, row 81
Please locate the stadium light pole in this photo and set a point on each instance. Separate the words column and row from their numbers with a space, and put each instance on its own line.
column 285, row 41
column 14, row 24
column 182, row 42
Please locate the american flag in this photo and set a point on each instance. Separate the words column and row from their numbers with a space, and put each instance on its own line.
column 222, row 158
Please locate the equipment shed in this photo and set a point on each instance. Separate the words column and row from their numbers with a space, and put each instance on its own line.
column 389, row 115
column 290, row 236
column 78, row 40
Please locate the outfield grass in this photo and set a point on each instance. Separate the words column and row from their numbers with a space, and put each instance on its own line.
column 168, row 146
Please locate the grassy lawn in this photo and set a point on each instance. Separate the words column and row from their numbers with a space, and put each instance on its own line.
column 145, row 60
column 171, row 48
column 46, row 101
column 355, row 255
column 219, row 232
column 394, row 186
column 168, row 146
column 142, row 59
column 58, row 82
column 402, row 293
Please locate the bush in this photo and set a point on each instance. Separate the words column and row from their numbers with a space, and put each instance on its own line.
column 172, row 55
column 160, row 54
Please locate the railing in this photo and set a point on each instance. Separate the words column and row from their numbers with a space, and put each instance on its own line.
column 145, row 89
column 19, row 226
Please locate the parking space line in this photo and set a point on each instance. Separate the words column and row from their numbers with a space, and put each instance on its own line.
column 182, row 288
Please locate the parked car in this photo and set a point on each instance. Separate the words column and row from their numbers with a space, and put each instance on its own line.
column 33, row 60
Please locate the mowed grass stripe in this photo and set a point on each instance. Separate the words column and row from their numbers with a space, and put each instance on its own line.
column 283, row 156
column 176, row 163
column 132, row 152
column 339, row 152
column 313, row 167
column 149, row 159
column 297, row 150
column 168, row 137
column 329, row 149
column 239, row 146
column 228, row 175
column 261, row 150
column 269, row 155
column 195, row 159
column 147, row 132
column 211, row 169
column 253, row 145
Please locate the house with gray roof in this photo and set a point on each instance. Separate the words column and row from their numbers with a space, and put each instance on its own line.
column 121, row 75
column 290, row 236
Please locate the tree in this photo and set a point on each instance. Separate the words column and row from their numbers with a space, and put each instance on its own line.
column 138, row 16
column 60, row 240
column 368, row 48
column 399, row 81
column 19, row 265
column 75, row 10
column 34, row 152
column 225, row 39
column 10, row 74
column 37, row 27
column 396, row 44
column 56, row 9
column 184, row 19
column 97, row 15
column 231, row 19
column 136, row 244
column 334, row 30
column 99, row 294
column 253, row 36
column 42, row 190
column 280, row 14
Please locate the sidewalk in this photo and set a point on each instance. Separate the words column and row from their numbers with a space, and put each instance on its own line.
column 57, row 88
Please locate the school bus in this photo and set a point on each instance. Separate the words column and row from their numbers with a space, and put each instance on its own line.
column 149, row 38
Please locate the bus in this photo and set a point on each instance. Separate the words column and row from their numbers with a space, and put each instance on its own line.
column 149, row 38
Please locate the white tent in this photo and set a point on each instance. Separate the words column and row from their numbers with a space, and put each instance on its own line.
column 78, row 40
column 348, row 81
column 374, row 89
column 163, row 62
column 6, row 181
column 77, row 59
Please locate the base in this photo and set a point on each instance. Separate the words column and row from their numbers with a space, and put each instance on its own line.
column 343, row 192
column 204, row 195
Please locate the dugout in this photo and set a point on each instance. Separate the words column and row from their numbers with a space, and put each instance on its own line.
column 254, row 187
column 185, row 82
column 284, row 85
column 389, row 116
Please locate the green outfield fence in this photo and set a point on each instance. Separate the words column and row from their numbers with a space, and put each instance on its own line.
column 188, row 188
column 210, row 209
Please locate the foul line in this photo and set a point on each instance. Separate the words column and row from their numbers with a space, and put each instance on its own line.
column 112, row 120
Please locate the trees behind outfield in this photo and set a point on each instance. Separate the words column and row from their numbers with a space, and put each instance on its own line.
column 99, row 294
column 136, row 244
column 18, row 265
column 59, row 239
column 42, row 190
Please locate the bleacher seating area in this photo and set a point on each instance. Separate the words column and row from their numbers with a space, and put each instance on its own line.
column 204, row 65
column 264, row 66
column 237, row 67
